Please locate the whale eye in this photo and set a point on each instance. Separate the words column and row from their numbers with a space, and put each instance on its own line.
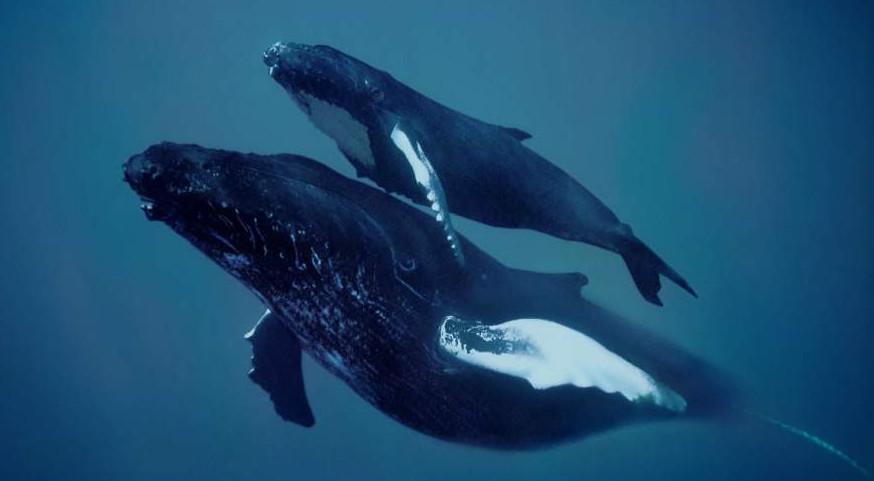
column 377, row 95
column 408, row 264
column 374, row 93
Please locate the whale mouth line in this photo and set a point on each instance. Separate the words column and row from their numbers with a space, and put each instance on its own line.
column 154, row 210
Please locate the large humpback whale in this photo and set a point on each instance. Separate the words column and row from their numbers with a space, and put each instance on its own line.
column 436, row 156
column 501, row 357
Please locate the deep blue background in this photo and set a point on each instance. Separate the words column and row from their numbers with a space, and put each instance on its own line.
column 736, row 137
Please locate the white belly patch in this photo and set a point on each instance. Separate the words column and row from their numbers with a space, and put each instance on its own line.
column 547, row 354
column 350, row 134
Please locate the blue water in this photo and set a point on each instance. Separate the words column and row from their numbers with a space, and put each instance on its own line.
column 736, row 137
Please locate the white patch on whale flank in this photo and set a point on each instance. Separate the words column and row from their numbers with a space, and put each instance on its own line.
column 547, row 354
column 350, row 135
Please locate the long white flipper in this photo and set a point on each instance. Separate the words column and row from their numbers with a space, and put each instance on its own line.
column 547, row 354
column 429, row 183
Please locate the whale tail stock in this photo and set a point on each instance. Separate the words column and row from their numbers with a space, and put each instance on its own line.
column 646, row 267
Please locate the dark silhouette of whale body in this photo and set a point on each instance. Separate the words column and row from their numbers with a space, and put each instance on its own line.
column 436, row 156
column 498, row 357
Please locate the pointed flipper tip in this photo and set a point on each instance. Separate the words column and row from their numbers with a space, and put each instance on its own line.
column 306, row 421
column 653, row 298
column 691, row 291
column 680, row 281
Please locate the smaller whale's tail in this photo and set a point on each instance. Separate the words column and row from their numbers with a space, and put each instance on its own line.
column 646, row 267
column 814, row 440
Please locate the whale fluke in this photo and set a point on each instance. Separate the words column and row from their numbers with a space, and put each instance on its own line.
column 646, row 267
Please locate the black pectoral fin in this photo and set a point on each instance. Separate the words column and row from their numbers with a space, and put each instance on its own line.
column 276, row 367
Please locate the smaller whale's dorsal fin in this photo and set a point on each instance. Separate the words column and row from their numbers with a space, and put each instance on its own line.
column 517, row 134
column 276, row 367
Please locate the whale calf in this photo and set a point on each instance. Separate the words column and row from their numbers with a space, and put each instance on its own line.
column 501, row 358
column 448, row 161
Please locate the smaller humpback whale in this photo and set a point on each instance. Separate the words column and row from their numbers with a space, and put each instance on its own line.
column 501, row 358
column 448, row 161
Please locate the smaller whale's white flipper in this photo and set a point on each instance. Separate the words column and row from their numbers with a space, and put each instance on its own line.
column 430, row 186
column 548, row 354
column 276, row 367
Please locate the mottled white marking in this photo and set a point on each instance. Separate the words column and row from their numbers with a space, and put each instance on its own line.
column 251, row 333
column 350, row 134
column 334, row 359
column 547, row 354
column 236, row 262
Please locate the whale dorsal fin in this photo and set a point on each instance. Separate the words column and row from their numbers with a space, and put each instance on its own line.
column 517, row 134
column 276, row 367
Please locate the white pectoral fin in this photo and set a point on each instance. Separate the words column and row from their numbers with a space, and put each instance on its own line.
column 429, row 185
column 547, row 354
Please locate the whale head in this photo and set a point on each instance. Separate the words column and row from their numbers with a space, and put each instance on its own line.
column 343, row 96
column 268, row 220
column 323, row 73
